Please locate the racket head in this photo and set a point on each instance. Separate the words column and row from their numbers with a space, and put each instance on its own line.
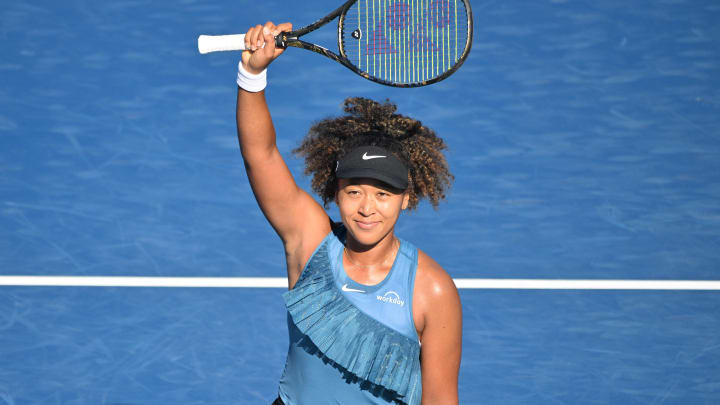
column 405, row 43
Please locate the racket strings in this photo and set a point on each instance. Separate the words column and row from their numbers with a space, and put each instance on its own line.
column 405, row 41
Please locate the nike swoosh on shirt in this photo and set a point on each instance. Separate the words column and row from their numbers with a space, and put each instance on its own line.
column 365, row 156
column 346, row 288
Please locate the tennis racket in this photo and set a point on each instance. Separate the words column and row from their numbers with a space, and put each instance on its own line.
column 400, row 43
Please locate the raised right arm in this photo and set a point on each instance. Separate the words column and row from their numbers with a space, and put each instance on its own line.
column 297, row 218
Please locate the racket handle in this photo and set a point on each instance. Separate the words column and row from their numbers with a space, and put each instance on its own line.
column 216, row 43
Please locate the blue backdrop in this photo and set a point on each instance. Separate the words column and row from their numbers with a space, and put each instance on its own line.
column 585, row 141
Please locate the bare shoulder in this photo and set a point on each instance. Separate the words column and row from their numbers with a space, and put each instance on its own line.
column 431, row 279
column 435, row 295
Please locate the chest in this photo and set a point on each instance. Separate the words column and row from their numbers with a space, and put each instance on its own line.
column 385, row 294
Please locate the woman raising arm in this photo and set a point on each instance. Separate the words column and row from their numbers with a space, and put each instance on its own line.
column 371, row 319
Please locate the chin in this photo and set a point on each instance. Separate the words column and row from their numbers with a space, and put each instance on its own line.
column 366, row 237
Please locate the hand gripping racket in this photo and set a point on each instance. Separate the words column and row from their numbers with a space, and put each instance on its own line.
column 400, row 43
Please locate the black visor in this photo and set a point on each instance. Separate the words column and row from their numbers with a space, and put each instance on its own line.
column 373, row 162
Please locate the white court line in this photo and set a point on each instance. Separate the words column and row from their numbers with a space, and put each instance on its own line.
column 281, row 282
column 111, row 281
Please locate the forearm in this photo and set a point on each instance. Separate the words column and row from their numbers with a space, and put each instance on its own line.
column 447, row 397
column 440, row 386
column 254, row 124
column 256, row 133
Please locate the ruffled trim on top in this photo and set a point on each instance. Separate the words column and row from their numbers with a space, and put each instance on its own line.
column 355, row 341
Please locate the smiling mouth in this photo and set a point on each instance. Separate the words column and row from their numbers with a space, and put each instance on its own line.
column 366, row 225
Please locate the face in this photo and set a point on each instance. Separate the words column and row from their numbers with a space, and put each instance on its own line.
column 369, row 208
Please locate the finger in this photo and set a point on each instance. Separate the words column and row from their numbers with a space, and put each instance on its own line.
column 253, row 36
column 260, row 38
column 269, row 49
column 248, row 44
column 248, row 38
column 270, row 26
column 260, row 43
column 284, row 27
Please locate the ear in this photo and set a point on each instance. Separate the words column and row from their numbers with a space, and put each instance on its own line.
column 406, row 200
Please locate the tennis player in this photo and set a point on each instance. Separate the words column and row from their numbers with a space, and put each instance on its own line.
column 371, row 319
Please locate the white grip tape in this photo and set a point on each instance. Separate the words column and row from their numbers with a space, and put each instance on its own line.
column 215, row 43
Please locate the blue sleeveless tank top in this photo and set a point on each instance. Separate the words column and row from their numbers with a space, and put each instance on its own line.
column 351, row 343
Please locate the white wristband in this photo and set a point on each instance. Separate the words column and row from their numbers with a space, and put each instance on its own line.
column 250, row 82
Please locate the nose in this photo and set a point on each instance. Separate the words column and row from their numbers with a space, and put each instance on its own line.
column 367, row 206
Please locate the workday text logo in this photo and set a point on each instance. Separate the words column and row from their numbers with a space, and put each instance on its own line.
column 391, row 297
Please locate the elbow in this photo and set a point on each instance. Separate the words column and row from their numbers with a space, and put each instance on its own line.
column 258, row 156
column 439, row 400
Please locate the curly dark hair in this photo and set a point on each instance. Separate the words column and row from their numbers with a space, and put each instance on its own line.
column 368, row 122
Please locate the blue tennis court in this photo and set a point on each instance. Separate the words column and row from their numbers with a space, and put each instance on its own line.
column 585, row 142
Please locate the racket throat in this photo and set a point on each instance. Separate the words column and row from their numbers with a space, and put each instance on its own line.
column 284, row 38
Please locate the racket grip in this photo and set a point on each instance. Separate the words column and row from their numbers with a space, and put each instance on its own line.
column 216, row 43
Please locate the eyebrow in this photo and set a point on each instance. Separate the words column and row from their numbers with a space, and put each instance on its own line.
column 375, row 183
